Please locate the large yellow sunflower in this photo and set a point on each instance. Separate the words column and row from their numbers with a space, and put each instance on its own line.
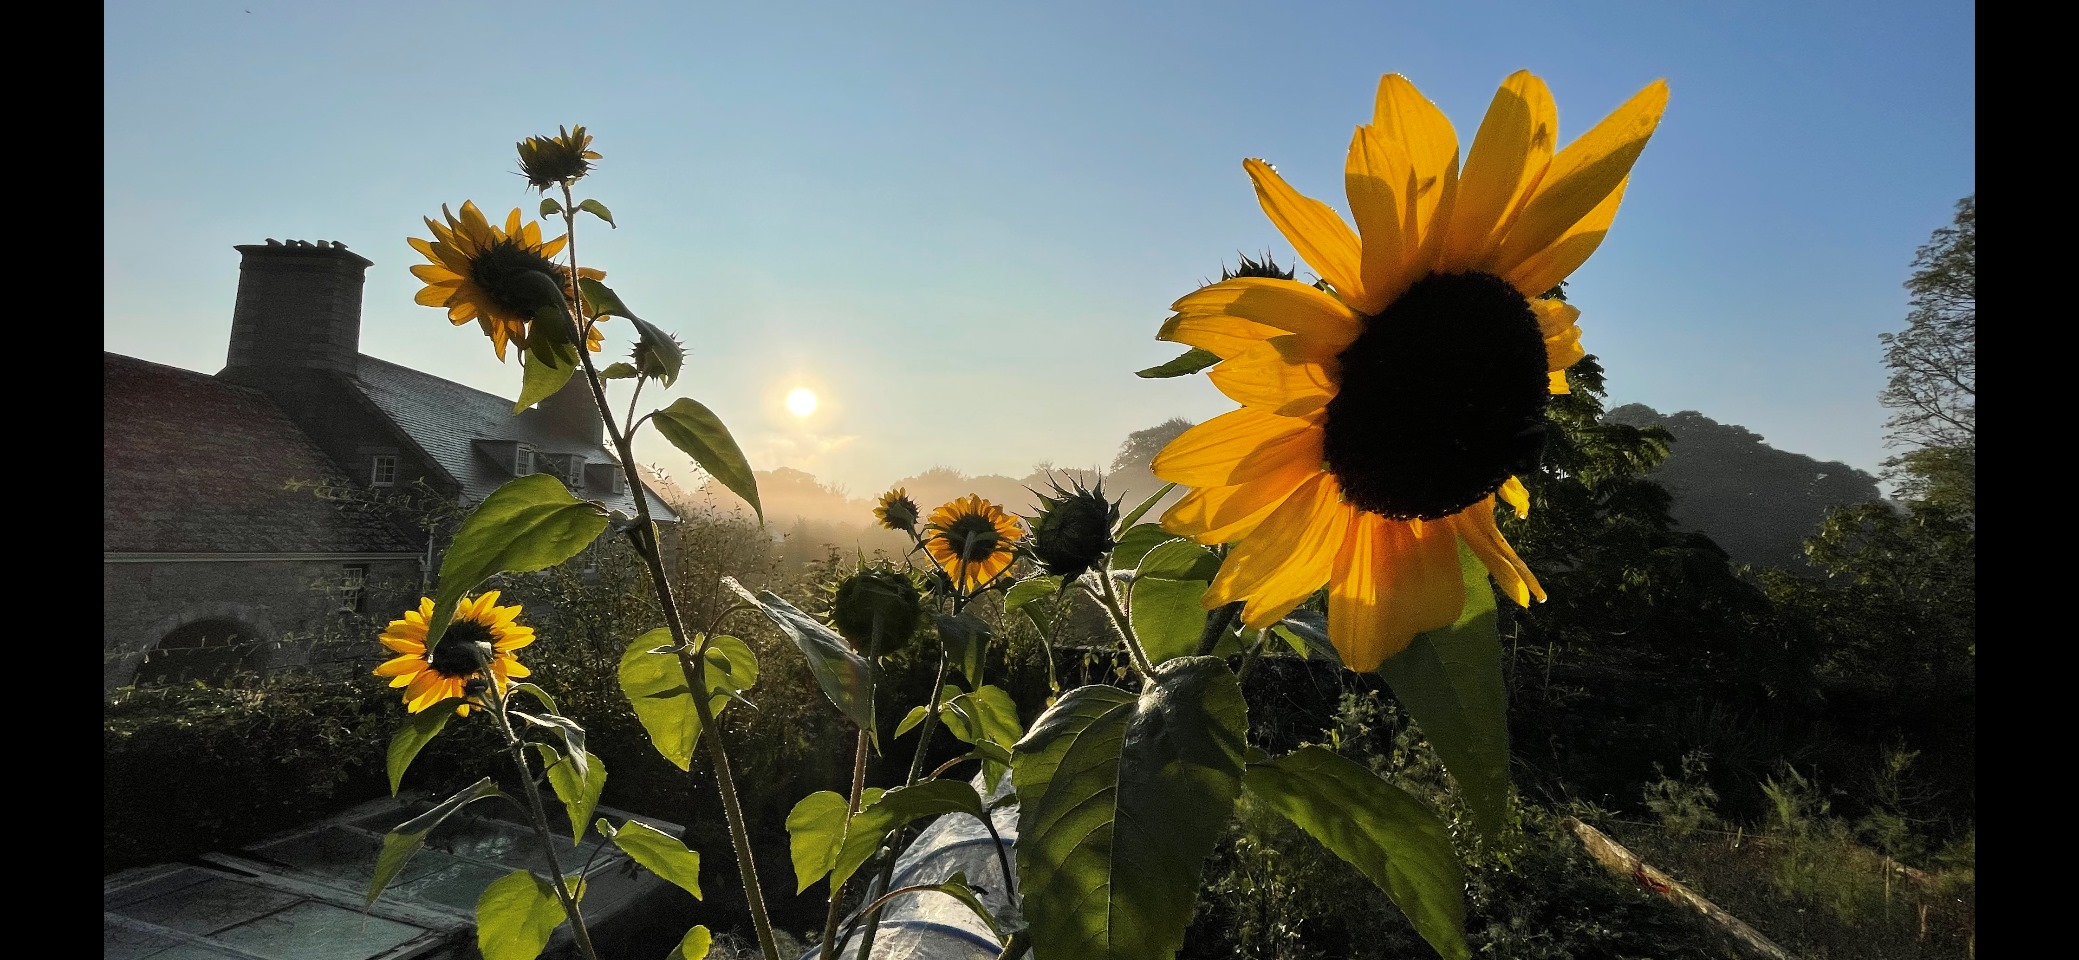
column 972, row 540
column 480, row 272
column 1381, row 419
column 428, row 680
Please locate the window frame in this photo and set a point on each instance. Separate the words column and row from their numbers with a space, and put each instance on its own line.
column 376, row 467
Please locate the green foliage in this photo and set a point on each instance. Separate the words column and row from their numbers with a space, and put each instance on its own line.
column 846, row 678
column 655, row 684
column 661, row 852
column 401, row 843
column 698, row 433
column 1685, row 804
column 530, row 523
column 1126, row 795
column 516, row 916
column 1933, row 390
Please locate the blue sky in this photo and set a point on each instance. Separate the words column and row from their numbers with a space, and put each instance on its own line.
column 961, row 223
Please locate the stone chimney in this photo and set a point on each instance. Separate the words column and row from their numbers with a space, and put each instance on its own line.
column 572, row 411
column 298, row 308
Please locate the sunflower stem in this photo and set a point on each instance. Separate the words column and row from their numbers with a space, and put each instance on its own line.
column 1216, row 627
column 1110, row 599
column 537, row 813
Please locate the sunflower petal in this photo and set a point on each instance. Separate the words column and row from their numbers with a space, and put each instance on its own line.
column 1222, row 335
column 1507, row 159
column 1582, row 177
column 1288, row 305
column 1391, row 581
column 1372, row 169
column 1223, row 514
column 400, row 666
column 1556, row 262
column 1514, row 494
column 1476, row 524
column 1236, row 447
column 1321, row 237
column 1288, row 557
column 1265, row 378
column 1402, row 115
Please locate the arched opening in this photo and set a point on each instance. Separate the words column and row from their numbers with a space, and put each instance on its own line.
column 210, row 650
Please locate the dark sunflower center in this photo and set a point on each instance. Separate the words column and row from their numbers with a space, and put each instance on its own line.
column 513, row 276
column 972, row 538
column 455, row 655
column 1442, row 399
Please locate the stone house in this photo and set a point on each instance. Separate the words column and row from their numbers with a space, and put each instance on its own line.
column 215, row 540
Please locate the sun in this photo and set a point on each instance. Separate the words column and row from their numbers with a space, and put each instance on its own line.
column 801, row 401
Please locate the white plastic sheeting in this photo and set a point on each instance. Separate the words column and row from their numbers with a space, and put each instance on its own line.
column 934, row 926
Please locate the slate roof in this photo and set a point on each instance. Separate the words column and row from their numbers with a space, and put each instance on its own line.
column 191, row 464
column 445, row 419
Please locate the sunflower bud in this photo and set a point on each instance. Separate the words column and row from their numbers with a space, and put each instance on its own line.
column 897, row 511
column 1074, row 529
column 550, row 161
column 877, row 595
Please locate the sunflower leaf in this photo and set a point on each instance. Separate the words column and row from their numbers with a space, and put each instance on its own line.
column 419, row 730
column 1450, row 681
column 549, row 207
column 516, row 916
column 1127, row 522
column 986, row 716
column 602, row 300
column 1167, row 585
column 655, row 685
column 1389, row 836
column 892, row 811
column 658, row 354
column 401, row 843
column 578, row 785
column 531, row 523
column 1121, row 799
column 1135, row 544
column 815, row 832
column 537, row 693
column 699, row 434
column 662, row 853
column 1025, row 594
column 620, row 371
column 694, row 945
column 1189, row 362
column 965, row 640
column 844, row 676
column 599, row 210
column 545, row 366
column 911, row 719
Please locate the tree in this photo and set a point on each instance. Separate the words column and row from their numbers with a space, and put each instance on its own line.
column 1934, row 370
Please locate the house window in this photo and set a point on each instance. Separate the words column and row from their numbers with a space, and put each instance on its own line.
column 382, row 472
column 353, row 582
column 523, row 461
column 575, row 476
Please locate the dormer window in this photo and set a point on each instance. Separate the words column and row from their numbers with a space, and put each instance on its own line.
column 353, row 585
column 574, row 475
column 382, row 471
column 523, row 460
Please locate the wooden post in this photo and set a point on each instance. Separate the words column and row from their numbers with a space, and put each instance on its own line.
column 1614, row 857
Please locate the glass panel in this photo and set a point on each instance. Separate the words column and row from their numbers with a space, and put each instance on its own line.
column 211, row 905
column 456, row 886
column 318, row 931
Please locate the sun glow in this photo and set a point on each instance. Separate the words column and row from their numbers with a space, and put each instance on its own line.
column 801, row 401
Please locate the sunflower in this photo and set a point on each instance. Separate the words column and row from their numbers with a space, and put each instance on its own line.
column 1381, row 418
column 561, row 159
column 452, row 667
column 480, row 272
column 972, row 540
column 897, row 511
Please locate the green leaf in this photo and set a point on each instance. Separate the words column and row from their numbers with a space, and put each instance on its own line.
column 655, row 686
column 419, row 729
column 815, row 832
column 566, row 730
column 844, row 676
column 1127, row 522
column 620, row 371
column 1389, row 836
column 1026, row 595
column 549, row 207
column 602, row 300
column 894, row 810
column 1190, row 361
column 699, row 434
column 694, row 946
column 401, row 843
column 985, row 716
column 911, row 719
column 545, row 366
column 1122, row 797
column 657, row 354
column 516, row 916
column 579, row 790
column 662, row 853
column 1136, row 542
column 957, row 887
column 537, row 693
column 1167, row 586
column 1450, row 681
column 965, row 639
column 531, row 523
column 599, row 210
